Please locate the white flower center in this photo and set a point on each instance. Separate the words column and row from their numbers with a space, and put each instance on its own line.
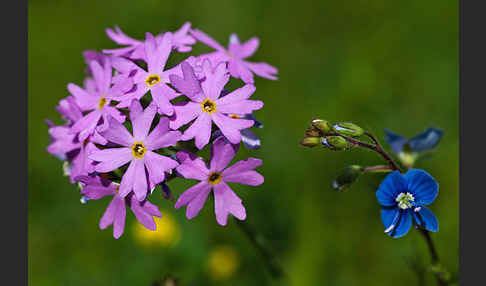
column 404, row 200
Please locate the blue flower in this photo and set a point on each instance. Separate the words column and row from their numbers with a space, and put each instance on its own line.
column 424, row 141
column 403, row 200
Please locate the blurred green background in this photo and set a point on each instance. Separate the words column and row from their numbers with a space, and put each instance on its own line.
column 378, row 63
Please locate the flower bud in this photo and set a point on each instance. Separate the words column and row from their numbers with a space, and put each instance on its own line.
column 312, row 132
column 310, row 141
column 322, row 125
column 337, row 142
column 348, row 129
column 347, row 177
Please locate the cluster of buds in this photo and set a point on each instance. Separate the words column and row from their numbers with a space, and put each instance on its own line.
column 331, row 136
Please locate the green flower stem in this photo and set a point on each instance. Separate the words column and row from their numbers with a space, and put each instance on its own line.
column 376, row 147
column 441, row 275
column 377, row 169
column 262, row 247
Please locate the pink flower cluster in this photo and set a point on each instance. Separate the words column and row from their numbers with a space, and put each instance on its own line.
column 133, row 123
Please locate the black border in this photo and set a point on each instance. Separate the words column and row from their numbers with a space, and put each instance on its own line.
column 472, row 193
column 14, row 143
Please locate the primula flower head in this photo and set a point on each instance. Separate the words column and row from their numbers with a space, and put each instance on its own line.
column 215, row 178
column 206, row 106
column 138, row 150
column 95, row 187
column 235, row 55
column 403, row 200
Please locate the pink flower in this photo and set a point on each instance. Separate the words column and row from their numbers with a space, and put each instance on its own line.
column 235, row 55
column 96, row 100
column 206, row 106
column 155, row 79
column 96, row 187
column 138, row 150
column 182, row 42
column 216, row 178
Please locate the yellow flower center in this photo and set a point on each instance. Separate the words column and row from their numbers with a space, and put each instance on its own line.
column 102, row 102
column 138, row 150
column 234, row 116
column 208, row 106
column 214, row 178
column 152, row 79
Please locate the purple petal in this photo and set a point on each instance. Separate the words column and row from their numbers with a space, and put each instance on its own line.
column 184, row 114
column 188, row 85
column 197, row 203
column 115, row 214
column 86, row 125
column 204, row 38
column 140, row 184
column 161, row 137
column 142, row 123
column 200, row 130
column 216, row 79
column 161, row 94
column 191, row 167
column 222, row 152
column 84, row 100
column 227, row 202
column 233, row 105
column 246, row 49
column 231, row 127
column 145, row 218
column 263, row 70
column 242, row 166
column 237, row 69
column 120, row 38
column 96, row 187
column 157, row 165
column 117, row 133
column 191, row 193
column 111, row 158
column 126, row 184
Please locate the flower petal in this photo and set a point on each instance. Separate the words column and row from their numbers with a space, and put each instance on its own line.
column 142, row 123
column 161, row 94
column 204, row 38
column 115, row 214
column 126, row 184
column 403, row 226
column 117, row 133
column 216, row 79
column 140, row 184
column 184, row 114
column 426, row 140
column 161, row 137
column 262, row 69
column 145, row 218
column 191, row 167
column 157, row 165
column 197, row 203
column 392, row 185
column 188, row 85
column 250, row 139
column 227, row 202
column 395, row 141
column 222, row 152
column 231, row 127
column 426, row 219
column 190, row 194
column 111, row 158
column 423, row 187
column 200, row 130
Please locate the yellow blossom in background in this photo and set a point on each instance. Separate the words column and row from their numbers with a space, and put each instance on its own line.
column 166, row 234
column 223, row 262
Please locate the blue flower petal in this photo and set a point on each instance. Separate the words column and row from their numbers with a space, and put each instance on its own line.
column 426, row 140
column 389, row 189
column 250, row 139
column 395, row 141
column 423, row 187
column 252, row 117
column 388, row 215
column 426, row 219
column 403, row 225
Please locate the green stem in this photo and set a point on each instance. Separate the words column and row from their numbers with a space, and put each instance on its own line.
column 262, row 247
column 377, row 169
